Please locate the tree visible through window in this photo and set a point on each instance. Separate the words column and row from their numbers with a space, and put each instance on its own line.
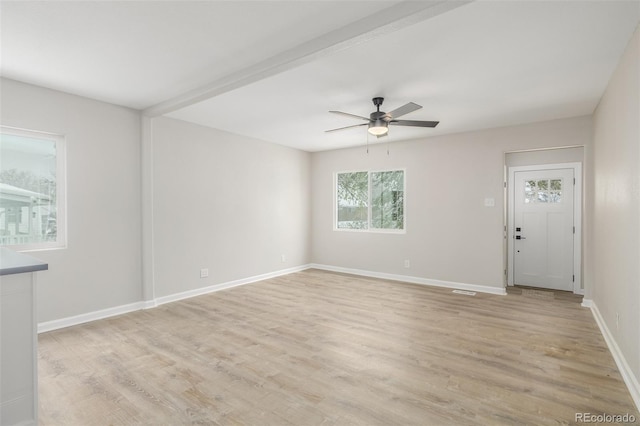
column 370, row 200
column 31, row 189
column 353, row 200
column 387, row 204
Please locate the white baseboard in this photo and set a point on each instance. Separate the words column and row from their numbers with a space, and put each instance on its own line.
column 587, row 303
column 89, row 316
column 217, row 287
column 148, row 304
column 625, row 371
column 413, row 280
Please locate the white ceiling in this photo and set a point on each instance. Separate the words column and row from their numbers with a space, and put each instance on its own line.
column 273, row 69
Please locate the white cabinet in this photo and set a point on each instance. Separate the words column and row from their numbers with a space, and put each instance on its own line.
column 18, row 340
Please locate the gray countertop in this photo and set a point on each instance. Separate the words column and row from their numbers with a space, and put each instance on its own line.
column 18, row 263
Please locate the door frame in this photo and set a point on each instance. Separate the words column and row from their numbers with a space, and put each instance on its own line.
column 577, row 218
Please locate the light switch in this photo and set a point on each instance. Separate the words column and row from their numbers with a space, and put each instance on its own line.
column 489, row 202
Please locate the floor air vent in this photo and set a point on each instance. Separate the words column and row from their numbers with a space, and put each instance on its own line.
column 468, row 293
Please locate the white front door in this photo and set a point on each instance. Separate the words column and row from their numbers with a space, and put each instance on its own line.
column 543, row 228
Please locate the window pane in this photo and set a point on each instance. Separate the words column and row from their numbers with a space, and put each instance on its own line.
column 27, row 190
column 556, row 184
column 387, row 200
column 530, row 191
column 543, row 185
column 353, row 200
column 555, row 195
column 543, row 191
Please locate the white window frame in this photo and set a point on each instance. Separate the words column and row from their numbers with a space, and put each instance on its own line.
column 61, row 189
column 369, row 206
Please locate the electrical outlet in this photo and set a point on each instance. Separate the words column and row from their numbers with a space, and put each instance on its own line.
column 204, row 273
column 407, row 263
column 283, row 258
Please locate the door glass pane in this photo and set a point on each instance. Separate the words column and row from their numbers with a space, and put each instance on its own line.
column 543, row 196
column 543, row 191
column 529, row 191
column 555, row 195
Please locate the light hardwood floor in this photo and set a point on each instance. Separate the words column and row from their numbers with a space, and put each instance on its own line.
column 319, row 348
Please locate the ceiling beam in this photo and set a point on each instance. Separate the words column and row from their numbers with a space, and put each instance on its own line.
column 394, row 18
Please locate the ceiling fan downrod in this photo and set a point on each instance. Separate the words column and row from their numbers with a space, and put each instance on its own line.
column 377, row 102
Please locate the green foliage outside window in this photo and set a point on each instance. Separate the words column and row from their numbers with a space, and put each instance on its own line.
column 387, row 204
column 370, row 200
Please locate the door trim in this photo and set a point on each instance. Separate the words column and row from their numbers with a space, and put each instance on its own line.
column 577, row 218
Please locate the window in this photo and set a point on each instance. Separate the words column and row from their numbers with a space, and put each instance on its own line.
column 32, row 214
column 372, row 201
column 543, row 191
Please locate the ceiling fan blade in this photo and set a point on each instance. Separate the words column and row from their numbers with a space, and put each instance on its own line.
column 350, row 115
column 415, row 123
column 404, row 109
column 348, row 127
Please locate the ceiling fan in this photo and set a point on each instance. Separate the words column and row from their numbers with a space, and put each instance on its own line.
column 379, row 121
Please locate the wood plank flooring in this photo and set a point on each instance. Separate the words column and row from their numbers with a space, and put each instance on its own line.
column 319, row 348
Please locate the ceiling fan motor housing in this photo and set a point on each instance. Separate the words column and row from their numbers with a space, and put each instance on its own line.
column 377, row 115
column 378, row 120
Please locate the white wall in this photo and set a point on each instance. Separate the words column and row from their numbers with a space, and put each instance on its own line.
column 225, row 202
column 615, row 248
column 228, row 203
column 100, row 268
column 450, row 235
column 545, row 156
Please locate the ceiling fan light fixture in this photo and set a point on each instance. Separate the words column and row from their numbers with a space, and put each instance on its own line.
column 378, row 127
